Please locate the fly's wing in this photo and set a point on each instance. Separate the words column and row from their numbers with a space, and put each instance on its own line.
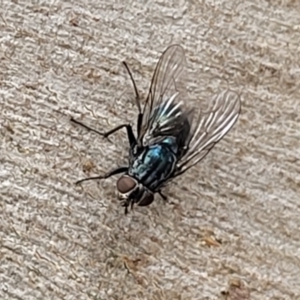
column 164, row 113
column 209, row 129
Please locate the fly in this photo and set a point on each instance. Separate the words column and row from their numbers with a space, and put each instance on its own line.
column 171, row 137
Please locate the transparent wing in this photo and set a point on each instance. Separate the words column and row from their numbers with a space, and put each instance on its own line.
column 163, row 113
column 210, row 128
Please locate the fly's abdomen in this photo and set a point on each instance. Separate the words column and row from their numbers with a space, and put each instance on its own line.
column 153, row 166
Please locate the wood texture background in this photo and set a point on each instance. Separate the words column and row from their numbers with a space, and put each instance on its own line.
column 235, row 225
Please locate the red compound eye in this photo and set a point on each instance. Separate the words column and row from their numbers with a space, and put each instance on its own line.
column 125, row 184
column 147, row 199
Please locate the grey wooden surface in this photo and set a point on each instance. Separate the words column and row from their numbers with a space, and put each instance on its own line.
column 59, row 241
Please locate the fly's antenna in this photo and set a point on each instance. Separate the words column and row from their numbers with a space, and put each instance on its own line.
column 137, row 99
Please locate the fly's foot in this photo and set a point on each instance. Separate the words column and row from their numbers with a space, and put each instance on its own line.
column 165, row 198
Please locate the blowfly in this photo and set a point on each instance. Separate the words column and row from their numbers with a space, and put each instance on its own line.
column 171, row 136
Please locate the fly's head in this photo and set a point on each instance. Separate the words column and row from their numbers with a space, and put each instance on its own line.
column 131, row 192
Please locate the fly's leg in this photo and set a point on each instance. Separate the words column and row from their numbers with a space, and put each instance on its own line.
column 126, row 210
column 126, row 205
column 164, row 197
column 131, row 138
column 85, row 126
column 137, row 99
column 137, row 96
column 106, row 175
column 130, row 134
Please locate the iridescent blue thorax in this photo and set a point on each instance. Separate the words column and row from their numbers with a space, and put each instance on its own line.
column 155, row 163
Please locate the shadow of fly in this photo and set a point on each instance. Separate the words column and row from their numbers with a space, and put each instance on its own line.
column 171, row 136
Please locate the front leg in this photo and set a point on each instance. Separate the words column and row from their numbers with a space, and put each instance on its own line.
column 106, row 175
column 130, row 134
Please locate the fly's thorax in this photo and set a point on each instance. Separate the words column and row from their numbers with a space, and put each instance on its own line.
column 153, row 165
column 129, row 190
